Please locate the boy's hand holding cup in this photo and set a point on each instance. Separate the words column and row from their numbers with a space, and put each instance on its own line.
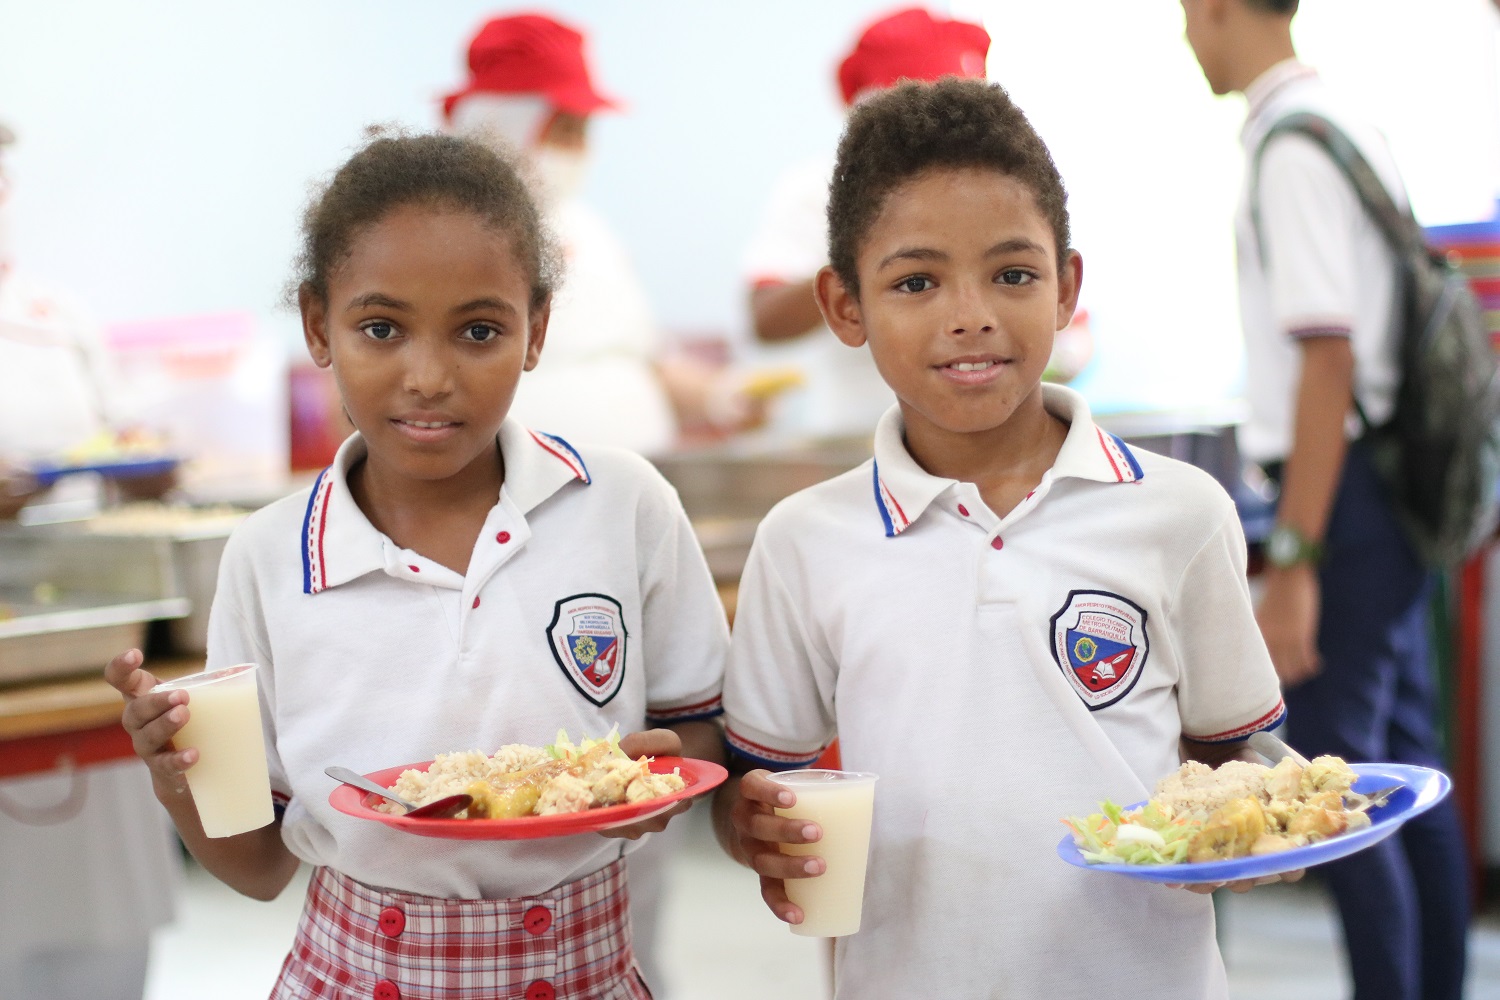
column 807, row 834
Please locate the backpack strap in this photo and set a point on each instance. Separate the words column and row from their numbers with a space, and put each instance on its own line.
column 1400, row 228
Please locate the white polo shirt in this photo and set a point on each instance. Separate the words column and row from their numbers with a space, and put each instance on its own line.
column 844, row 393
column 1000, row 674
column 375, row 656
column 1327, row 270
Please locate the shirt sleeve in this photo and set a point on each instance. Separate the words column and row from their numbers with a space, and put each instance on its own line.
column 685, row 633
column 237, row 634
column 1309, row 218
column 1227, row 688
column 779, row 683
column 791, row 242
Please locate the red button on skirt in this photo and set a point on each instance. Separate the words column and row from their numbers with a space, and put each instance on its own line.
column 386, row 990
column 392, row 921
column 541, row 990
column 537, row 920
column 997, row 543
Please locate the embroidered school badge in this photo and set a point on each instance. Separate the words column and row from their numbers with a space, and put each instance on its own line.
column 1099, row 641
column 587, row 638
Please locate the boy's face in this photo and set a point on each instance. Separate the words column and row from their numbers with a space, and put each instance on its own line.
column 1203, row 27
column 960, row 298
column 427, row 329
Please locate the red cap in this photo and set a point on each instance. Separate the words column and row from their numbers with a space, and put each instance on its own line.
column 530, row 54
column 912, row 45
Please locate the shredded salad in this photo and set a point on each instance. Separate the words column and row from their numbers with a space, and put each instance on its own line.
column 1145, row 836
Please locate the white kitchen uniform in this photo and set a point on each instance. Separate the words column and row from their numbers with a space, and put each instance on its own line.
column 374, row 656
column 843, row 394
column 88, row 862
column 596, row 383
column 1332, row 271
column 999, row 674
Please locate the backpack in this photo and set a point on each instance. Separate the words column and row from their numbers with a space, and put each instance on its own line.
column 1439, row 453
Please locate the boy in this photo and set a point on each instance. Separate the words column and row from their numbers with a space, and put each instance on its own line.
column 1008, row 614
column 1345, row 605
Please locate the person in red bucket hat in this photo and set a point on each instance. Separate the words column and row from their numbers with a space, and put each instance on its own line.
column 912, row 45
column 531, row 54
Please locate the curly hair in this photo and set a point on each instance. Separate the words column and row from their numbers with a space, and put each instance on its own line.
column 439, row 171
column 914, row 127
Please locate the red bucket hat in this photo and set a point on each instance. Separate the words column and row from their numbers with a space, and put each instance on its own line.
column 530, row 54
column 912, row 45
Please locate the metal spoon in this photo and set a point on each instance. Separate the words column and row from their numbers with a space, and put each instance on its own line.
column 440, row 809
column 1273, row 749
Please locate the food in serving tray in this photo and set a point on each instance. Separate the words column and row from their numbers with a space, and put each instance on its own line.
column 116, row 445
column 1233, row 811
column 520, row 780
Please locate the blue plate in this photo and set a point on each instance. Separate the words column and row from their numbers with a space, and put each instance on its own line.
column 46, row 475
column 1422, row 789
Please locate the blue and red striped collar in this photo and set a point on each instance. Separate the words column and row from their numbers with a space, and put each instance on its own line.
column 340, row 544
column 904, row 490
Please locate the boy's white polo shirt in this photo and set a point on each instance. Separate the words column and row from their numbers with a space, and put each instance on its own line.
column 373, row 656
column 1325, row 269
column 1000, row 674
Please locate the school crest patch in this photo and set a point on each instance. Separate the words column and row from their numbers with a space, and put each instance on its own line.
column 587, row 637
column 1099, row 641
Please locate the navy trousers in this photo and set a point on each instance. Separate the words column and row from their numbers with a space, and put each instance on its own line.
column 1404, row 902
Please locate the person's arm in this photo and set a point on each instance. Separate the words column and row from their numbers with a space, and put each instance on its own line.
column 257, row 863
column 786, row 311
column 1289, row 607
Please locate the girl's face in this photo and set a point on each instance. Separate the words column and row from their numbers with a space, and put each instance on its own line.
column 427, row 329
column 960, row 297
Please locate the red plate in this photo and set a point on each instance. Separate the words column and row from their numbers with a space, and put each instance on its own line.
column 701, row 776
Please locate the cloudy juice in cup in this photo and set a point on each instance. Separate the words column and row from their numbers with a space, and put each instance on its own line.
column 842, row 803
column 230, row 785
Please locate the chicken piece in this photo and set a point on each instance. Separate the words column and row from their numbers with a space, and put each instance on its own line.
column 1285, row 780
column 1228, row 832
column 501, row 803
column 654, row 786
column 612, row 777
column 1273, row 843
column 565, row 793
column 1318, row 823
column 1327, row 774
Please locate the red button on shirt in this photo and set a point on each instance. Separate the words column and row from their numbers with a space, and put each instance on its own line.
column 540, row 990
column 386, row 990
column 503, row 537
column 392, row 921
column 997, row 543
column 415, row 569
column 963, row 510
column 476, row 602
column 537, row 920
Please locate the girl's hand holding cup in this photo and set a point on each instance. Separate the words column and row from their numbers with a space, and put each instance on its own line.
column 152, row 718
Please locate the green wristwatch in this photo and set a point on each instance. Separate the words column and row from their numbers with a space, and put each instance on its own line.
column 1286, row 547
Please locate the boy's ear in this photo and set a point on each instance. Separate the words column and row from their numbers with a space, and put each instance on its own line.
column 536, row 333
column 314, row 325
column 840, row 307
column 1069, row 284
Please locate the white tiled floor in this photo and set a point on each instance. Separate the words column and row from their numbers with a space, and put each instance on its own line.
column 1280, row 941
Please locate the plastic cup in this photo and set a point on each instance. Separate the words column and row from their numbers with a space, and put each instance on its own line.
column 841, row 802
column 230, row 785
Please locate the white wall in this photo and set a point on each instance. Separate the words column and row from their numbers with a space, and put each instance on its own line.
column 1152, row 159
column 168, row 145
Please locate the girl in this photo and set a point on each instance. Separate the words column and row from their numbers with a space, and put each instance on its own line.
column 418, row 599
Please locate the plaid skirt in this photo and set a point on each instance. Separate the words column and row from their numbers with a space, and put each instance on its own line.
column 359, row 943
